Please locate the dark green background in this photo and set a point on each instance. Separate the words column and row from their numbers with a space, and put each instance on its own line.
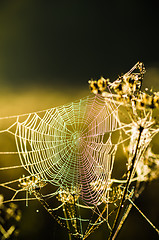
column 72, row 41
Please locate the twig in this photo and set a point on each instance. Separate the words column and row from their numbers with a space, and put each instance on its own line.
column 152, row 225
column 112, row 237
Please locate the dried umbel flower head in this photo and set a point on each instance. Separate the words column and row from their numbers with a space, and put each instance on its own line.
column 31, row 183
column 147, row 101
column 126, row 85
column 98, row 86
column 127, row 89
column 68, row 195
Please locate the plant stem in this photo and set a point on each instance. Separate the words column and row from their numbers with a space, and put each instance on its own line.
column 112, row 237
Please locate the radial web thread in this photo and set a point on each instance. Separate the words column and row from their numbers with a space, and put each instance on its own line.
column 70, row 146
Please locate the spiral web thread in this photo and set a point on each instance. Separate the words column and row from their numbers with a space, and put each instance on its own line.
column 67, row 147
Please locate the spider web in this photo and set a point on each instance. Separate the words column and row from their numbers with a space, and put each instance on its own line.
column 73, row 148
column 69, row 146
